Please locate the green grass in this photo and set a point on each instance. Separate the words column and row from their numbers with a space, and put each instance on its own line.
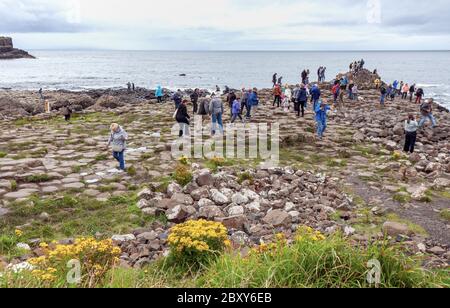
column 445, row 214
column 101, row 157
column 3, row 154
column 245, row 176
column 402, row 197
column 72, row 216
column 38, row 178
column 419, row 230
column 13, row 185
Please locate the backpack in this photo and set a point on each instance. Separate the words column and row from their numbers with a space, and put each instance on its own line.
column 335, row 89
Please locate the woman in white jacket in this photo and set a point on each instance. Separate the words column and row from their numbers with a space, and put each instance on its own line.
column 287, row 98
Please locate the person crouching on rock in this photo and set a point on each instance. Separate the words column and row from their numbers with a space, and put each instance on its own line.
column 67, row 113
column 321, row 118
column 411, row 127
column 118, row 142
column 182, row 118
column 426, row 109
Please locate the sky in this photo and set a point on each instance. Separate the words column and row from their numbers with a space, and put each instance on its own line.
column 227, row 24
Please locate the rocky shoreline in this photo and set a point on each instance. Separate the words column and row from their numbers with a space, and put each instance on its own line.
column 355, row 181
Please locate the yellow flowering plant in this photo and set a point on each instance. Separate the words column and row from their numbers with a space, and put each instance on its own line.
column 95, row 257
column 305, row 233
column 195, row 242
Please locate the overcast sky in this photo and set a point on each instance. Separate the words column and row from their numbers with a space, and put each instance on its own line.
column 227, row 24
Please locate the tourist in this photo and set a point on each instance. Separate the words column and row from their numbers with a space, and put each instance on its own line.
column 392, row 91
column 129, row 87
column 336, row 90
column 133, row 87
column 350, row 90
column 315, row 95
column 399, row 90
column 236, row 110
column 287, row 98
column 341, row 99
column 395, row 87
column 216, row 111
column 244, row 99
column 412, row 90
column 217, row 89
column 419, row 95
column 321, row 118
column 319, row 74
column 323, row 74
column 118, row 141
column 280, row 80
column 304, row 76
column 159, row 94
column 378, row 83
column 67, row 113
column 302, row 98
column 194, row 99
column 405, row 90
column 307, row 77
column 411, row 127
column 231, row 97
column 182, row 118
column 426, row 109
column 203, row 109
column 253, row 102
column 177, row 98
column 277, row 95
column 274, row 79
column 383, row 93
column 41, row 95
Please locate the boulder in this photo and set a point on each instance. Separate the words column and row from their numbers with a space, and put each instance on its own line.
column 278, row 218
column 395, row 228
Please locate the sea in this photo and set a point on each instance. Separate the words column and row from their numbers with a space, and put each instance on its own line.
column 82, row 70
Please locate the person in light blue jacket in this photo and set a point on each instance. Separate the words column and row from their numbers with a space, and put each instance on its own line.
column 321, row 118
column 159, row 94
column 252, row 102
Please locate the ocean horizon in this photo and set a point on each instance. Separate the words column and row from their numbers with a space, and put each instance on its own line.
column 79, row 70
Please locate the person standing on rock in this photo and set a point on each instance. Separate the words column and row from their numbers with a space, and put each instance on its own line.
column 419, row 95
column 411, row 127
column 383, row 93
column 321, row 118
column 253, row 102
column 231, row 97
column 302, row 98
column 274, row 79
column 412, row 90
column 244, row 99
column 182, row 118
column 287, row 98
column 159, row 94
column 177, row 98
column 194, row 99
column 323, row 74
column 426, row 109
column 216, row 111
column 405, row 90
column 355, row 92
column 129, row 87
column 118, row 141
column 277, row 95
column 41, row 95
column 315, row 95
column 336, row 90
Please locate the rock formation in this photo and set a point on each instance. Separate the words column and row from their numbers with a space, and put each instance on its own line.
column 7, row 50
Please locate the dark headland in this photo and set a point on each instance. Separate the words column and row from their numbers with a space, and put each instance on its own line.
column 8, row 52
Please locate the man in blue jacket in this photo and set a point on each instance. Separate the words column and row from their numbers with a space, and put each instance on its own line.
column 321, row 118
column 252, row 101
column 301, row 100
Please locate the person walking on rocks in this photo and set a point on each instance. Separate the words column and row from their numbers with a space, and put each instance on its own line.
column 274, row 79
column 231, row 97
column 336, row 90
column 411, row 127
column 355, row 92
column 321, row 118
column 236, row 111
column 177, row 98
column 302, row 98
column 216, row 111
column 253, row 102
column 426, row 109
column 159, row 94
column 182, row 118
column 419, row 95
column 287, row 98
column 277, row 96
column 118, row 142
column 194, row 99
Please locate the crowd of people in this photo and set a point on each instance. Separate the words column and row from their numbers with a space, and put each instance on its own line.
column 241, row 105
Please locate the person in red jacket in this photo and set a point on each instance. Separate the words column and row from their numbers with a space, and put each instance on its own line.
column 277, row 93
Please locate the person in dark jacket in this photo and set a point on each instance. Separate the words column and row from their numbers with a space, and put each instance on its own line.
column 194, row 99
column 383, row 93
column 301, row 100
column 274, row 80
column 177, row 98
column 315, row 95
column 230, row 100
column 412, row 90
column 244, row 98
column 182, row 118
column 277, row 95
column 419, row 95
